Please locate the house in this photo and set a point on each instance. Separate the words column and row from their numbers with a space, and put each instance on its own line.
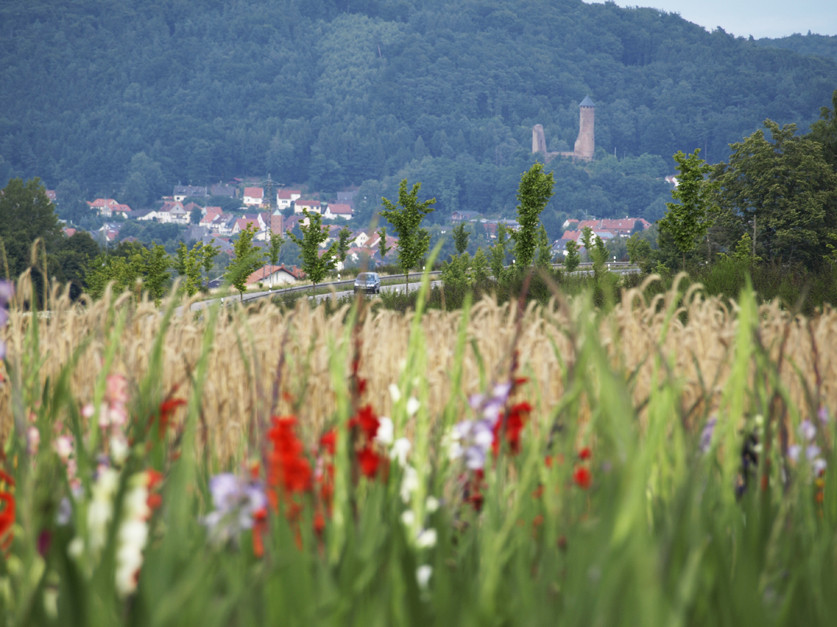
column 619, row 227
column 223, row 189
column 312, row 206
column 284, row 197
column 172, row 212
column 241, row 224
column 69, row 231
column 53, row 198
column 464, row 216
column 211, row 215
column 291, row 222
column 182, row 192
column 253, row 196
column 347, row 197
column 271, row 276
column 337, row 210
column 107, row 207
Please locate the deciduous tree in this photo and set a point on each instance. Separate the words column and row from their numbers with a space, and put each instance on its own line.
column 406, row 217
column 315, row 263
column 533, row 194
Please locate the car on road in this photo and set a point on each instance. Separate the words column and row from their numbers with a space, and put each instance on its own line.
column 368, row 282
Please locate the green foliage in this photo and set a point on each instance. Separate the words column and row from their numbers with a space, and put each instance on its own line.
column 315, row 264
column 274, row 248
column 687, row 221
column 134, row 268
column 406, row 217
column 192, row 263
column 465, row 131
column 572, row 259
column 533, row 194
column 640, row 253
column 460, row 238
column 247, row 258
column 343, row 240
column 26, row 214
column 383, row 249
column 497, row 254
column 783, row 191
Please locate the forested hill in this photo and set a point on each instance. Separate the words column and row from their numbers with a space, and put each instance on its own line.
column 127, row 98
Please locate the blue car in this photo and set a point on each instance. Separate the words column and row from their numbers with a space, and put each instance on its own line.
column 368, row 282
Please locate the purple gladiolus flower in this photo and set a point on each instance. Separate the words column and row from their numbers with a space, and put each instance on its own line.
column 7, row 290
column 236, row 501
column 706, row 434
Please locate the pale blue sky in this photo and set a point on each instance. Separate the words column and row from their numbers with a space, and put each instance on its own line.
column 759, row 18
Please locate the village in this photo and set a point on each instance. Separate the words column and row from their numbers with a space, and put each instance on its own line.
column 270, row 211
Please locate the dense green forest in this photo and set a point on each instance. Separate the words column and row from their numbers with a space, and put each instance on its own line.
column 126, row 99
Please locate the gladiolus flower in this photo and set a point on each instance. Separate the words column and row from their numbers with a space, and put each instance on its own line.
column 582, row 477
column 585, row 453
column 7, row 513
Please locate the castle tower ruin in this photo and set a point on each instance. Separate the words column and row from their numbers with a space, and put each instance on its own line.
column 538, row 139
column 585, row 145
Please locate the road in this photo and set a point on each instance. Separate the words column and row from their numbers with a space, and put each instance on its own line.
column 341, row 290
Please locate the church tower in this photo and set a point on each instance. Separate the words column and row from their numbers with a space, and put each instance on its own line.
column 585, row 145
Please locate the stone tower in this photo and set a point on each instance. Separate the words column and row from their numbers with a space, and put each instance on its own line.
column 538, row 139
column 585, row 145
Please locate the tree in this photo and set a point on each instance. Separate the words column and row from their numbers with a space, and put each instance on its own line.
column 343, row 239
column 572, row 258
column 247, row 258
column 192, row 263
column 543, row 256
column 460, row 238
column 383, row 249
column 533, row 194
column 687, row 221
column 783, row 191
column 274, row 247
column 26, row 214
column 315, row 264
column 134, row 267
column 497, row 259
column 195, row 215
column 406, row 217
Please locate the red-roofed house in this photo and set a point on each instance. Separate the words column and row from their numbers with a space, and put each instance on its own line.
column 108, row 206
column 271, row 276
column 313, row 206
column 337, row 210
column 253, row 196
column 284, row 197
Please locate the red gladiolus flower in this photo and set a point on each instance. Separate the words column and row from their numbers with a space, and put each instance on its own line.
column 511, row 425
column 329, row 441
column 366, row 421
column 166, row 411
column 369, row 461
column 7, row 513
column 153, row 478
column 582, row 477
column 585, row 453
column 288, row 471
column 259, row 528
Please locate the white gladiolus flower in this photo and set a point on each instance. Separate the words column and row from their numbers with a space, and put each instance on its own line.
column 409, row 483
column 423, row 574
column 413, row 405
column 426, row 539
column 385, row 431
column 408, row 518
column 394, row 393
column 432, row 504
column 400, row 450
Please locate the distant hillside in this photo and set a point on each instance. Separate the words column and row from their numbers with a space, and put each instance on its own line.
column 812, row 45
column 128, row 99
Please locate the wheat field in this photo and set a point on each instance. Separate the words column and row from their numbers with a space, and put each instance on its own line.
column 257, row 347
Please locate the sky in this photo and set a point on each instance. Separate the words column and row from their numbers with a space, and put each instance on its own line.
column 759, row 18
